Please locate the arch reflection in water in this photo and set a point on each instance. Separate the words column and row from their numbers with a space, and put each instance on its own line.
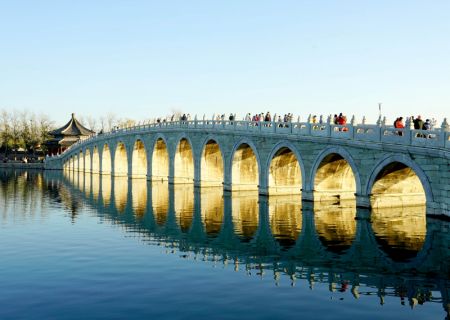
column 139, row 196
column 285, row 218
column 401, row 232
column 245, row 213
column 184, row 205
column 212, row 210
column 335, row 225
column 105, row 185
column 87, row 184
column 120, row 193
column 95, row 186
column 160, row 201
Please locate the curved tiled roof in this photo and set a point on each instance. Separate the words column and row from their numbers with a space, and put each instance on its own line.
column 72, row 128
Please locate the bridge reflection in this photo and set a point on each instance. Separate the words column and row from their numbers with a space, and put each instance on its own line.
column 397, row 253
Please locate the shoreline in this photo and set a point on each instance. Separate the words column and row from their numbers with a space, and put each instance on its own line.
column 19, row 165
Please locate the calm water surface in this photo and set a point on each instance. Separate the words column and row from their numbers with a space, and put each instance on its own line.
column 76, row 246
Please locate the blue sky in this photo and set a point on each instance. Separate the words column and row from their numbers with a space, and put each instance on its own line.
column 141, row 59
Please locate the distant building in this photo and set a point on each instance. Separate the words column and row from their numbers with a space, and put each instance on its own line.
column 67, row 135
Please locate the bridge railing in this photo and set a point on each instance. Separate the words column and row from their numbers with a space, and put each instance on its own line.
column 437, row 138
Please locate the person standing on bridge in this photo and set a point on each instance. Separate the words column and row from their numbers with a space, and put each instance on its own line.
column 398, row 124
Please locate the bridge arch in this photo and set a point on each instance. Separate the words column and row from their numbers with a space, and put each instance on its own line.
column 211, row 163
column 245, row 166
column 81, row 161
column 139, row 159
column 183, row 160
column 106, row 160
column 398, row 174
column 285, row 170
column 160, row 158
column 76, row 162
column 87, row 161
column 95, row 160
column 121, row 160
column 335, row 173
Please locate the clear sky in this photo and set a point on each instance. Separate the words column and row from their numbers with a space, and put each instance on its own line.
column 141, row 59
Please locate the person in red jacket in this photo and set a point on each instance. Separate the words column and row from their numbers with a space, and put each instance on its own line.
column 398, row 124
column 342, row 121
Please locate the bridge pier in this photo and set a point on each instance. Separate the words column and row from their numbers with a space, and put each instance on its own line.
column 227, row 187
column 363, row 213
column 308, row 195
column 197, row 183
column 362, row 201
column 263, row 191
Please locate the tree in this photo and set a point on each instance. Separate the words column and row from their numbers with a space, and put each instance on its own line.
column 111, row 121
column 45, row 125
column 5, row 131
column 25, row 130
column 16, row 132
column 92, row 123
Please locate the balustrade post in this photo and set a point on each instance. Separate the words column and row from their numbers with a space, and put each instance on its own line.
column 328, row 126
column 409, row 130
column 443, row 134
column 352, row 127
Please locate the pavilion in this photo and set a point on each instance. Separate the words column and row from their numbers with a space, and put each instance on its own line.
column 67, row 135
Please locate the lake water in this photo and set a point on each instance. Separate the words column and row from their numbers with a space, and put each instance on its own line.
column 76, row 246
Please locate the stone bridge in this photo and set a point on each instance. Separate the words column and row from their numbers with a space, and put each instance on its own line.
column 375, row 165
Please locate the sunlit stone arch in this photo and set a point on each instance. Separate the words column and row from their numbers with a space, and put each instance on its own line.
column 239, row 180
column 296, row 186
column 208, row 174
column 121, row 158
column 139, row 158
column 87, row 160
column 95, row 168
column 76, row 162
column 342, row 153
column 183, row 159
column 413, row 177
column 81, row 161
column 105, row 159
column 159, row 159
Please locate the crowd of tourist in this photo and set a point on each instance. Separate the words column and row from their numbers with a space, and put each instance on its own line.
column 418, row 124
column 339, row 120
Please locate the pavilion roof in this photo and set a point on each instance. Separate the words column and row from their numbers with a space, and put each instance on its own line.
column 72, row 128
